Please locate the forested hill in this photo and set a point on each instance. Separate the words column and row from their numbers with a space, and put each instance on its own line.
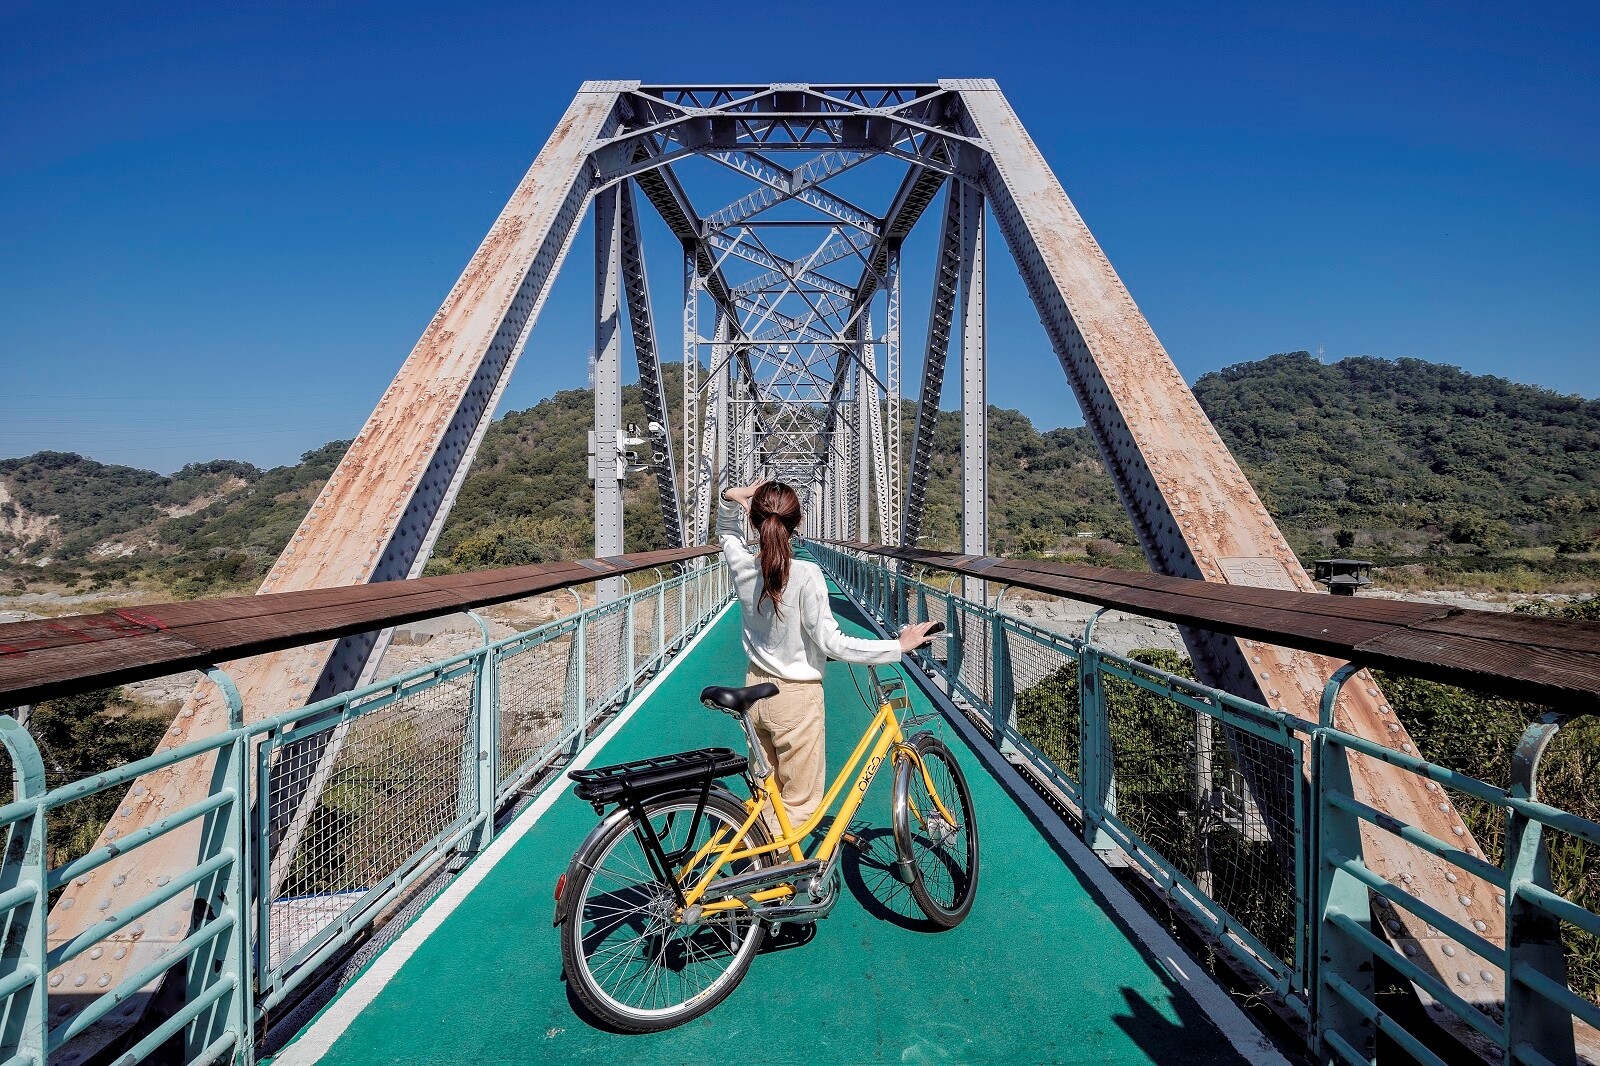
column 1410, row 452
column 1398, row 460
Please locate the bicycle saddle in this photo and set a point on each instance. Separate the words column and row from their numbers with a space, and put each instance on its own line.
column 736, row 700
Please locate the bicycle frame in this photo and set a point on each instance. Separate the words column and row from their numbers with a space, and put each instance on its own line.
column 883, row 739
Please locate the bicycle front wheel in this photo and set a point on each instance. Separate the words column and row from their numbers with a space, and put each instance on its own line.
column 627, row 958
column 937, row 841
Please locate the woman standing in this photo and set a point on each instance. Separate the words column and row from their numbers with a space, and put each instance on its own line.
column 789, row 636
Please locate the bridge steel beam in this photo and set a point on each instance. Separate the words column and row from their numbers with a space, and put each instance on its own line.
column 974, row 388
column 648, row 356
column 892, row 472
column 693, row 283
column 869, row 439
column 1196, row 515
column 607, row 473
column 876, row 456
column 376, row 519
column 941, row 314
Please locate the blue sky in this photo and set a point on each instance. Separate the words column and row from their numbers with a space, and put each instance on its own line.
column 226, row 225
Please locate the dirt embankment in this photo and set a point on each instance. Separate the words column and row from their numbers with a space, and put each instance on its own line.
column 19, row 523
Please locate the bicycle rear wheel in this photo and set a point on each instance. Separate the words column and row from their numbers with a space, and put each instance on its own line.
column 625, row 957
column 941, row 855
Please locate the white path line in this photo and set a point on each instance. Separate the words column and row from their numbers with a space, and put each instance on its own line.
column 320, row 1036
column 1235, row 1026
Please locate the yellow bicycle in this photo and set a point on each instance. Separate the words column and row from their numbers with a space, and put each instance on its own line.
column 667, row 901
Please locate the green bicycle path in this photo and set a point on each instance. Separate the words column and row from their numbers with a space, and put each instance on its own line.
column 1037, row 973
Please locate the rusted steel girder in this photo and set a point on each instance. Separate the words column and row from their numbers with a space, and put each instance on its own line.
column 375, row 520
column 1196, row 515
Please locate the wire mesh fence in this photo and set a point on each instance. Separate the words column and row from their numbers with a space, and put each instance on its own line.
column 365, row 795
column 672, row 614
column 971, row 651
column 1215, row 811
column 537, row 698
column 606, row 644
column 647, row 638
column 1047, row 715
column 352, row 802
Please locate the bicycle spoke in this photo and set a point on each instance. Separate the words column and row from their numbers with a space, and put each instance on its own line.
column 941, row 848
column 630, row 947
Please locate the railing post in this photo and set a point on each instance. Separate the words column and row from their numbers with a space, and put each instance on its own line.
column 225, row 893
column 240, row 876
column 661, row 623
column 1533, row 935
column 1335, row 831
column 26, row 867
column 577, row 686
column 956, row 644
column 1094, row 744
column 485, row 743
column 627, row 646
column 900, row 604
column 1003, row 684
column 261, row 849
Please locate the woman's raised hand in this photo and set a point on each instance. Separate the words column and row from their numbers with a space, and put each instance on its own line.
column 916, row 635
column 742, row 494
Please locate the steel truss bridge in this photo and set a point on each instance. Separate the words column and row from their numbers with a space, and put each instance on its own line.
column 1277, row 807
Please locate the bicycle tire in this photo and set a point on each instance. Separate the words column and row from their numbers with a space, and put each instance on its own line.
column 726, row 947
column 942, row 861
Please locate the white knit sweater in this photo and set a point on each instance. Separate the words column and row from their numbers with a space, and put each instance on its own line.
column 796, row 642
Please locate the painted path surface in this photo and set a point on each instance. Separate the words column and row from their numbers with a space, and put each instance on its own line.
column 1039, row 972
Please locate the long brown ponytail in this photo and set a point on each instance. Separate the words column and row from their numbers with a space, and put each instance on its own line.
column 775, row 512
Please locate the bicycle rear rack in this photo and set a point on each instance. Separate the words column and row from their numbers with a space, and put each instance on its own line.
column 643, row 778
column 631, row 784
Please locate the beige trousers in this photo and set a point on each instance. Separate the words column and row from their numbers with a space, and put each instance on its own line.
column 792, row 729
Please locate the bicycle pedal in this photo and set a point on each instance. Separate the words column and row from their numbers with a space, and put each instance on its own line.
column 854, row 842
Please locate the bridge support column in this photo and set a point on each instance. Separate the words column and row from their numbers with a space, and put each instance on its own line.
column 690, row 497
column 867, row 443
column 607, row 469
column 891, row 474
column 724, row 465
column 974, row 390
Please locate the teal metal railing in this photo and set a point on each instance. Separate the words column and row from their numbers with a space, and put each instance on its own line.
column 317, row 820
column 1214, row 799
